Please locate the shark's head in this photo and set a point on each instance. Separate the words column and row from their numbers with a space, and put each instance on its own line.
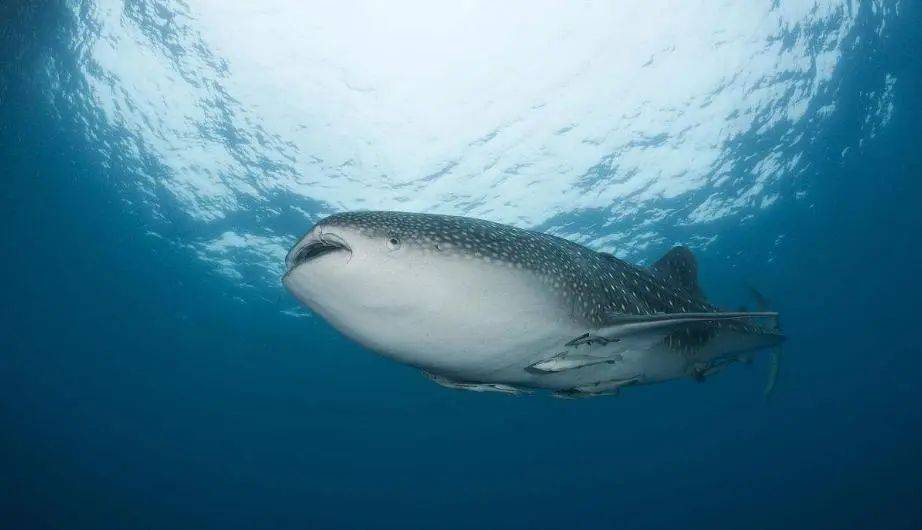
column 359, row 261
column 417, row 287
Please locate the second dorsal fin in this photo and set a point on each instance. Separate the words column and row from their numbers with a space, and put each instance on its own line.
column 680, row 268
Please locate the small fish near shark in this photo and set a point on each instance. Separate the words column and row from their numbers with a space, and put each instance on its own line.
column 484, row 306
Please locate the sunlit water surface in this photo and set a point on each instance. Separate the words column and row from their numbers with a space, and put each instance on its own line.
column 613, row 124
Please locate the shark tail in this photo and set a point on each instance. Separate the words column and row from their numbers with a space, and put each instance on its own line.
column 773, row 371
column 763, row 304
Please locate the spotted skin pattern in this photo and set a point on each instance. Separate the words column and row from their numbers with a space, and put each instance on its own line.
column 596, row 286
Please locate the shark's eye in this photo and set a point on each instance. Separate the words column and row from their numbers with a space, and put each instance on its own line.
column 393, row 242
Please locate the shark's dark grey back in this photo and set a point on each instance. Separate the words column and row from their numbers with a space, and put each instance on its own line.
column 595, row 285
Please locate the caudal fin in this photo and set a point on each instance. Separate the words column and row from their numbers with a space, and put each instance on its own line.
column 763, row 304
column 773, row 371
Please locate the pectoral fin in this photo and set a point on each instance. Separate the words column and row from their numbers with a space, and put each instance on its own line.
column 611, row 387
column 475, row 387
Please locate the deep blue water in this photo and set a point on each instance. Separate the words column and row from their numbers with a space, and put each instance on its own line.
column 137, row 390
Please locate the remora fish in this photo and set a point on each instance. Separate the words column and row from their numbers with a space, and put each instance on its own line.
column 484, row 306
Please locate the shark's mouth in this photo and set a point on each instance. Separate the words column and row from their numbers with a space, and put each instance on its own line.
column 326, row 244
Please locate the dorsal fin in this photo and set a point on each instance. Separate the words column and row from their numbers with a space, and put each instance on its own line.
column 680, row 268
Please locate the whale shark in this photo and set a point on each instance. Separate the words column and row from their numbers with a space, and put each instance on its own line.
column 484, row 306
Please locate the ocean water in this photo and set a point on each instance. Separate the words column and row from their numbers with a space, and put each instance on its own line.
column 159, row 157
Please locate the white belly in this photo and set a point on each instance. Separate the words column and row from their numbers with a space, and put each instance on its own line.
column 484, row 324
column 458, row 320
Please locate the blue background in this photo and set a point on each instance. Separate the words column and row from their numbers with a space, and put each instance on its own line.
column 134, row 392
